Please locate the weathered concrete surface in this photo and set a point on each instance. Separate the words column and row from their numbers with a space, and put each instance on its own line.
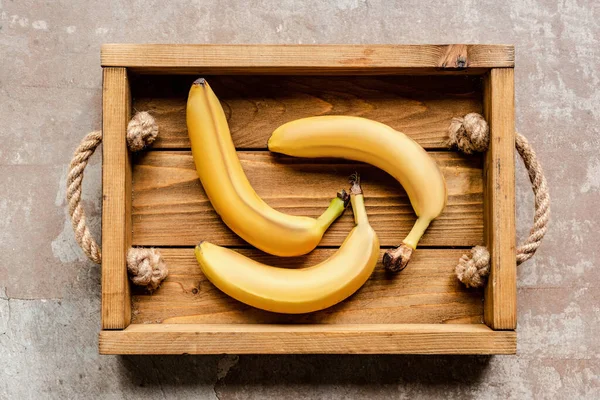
column 49, row 294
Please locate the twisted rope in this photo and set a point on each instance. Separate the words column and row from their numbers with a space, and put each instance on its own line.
column 542, row 200
column 74, row 180
column 141, row 131
column 471, row 134
column 145, row 266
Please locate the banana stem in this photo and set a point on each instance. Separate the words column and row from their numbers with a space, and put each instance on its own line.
column 416, row 232
column 395, row 260
column 358, row 208
column 335, row 209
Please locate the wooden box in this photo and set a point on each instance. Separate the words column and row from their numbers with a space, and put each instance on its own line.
column 154, row 199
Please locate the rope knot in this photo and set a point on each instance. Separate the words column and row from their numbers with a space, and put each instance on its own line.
column 146, row 267
column 470, row 133
column 141, row 131
column 473, row 268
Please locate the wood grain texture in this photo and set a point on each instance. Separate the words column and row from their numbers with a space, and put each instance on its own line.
column 499, row 194
column 171, row 209
column 297, row 59
column 426, row 292
column 116, row 199
column 308, row 339
column 421, row 107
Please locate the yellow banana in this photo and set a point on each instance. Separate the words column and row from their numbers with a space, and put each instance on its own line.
column 296, row 291
column 230, row 193
column 361, row 139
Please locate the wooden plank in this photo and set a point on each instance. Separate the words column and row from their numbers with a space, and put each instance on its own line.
column 499, row 192
column 426, row 292
column 171, row 209
column 297, row 59
column 308, row 339
column 116, row 195
column 255, row 106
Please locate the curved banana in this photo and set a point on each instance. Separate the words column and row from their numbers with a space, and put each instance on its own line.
column 230, row 193
column 361, row 139
column 296, row 291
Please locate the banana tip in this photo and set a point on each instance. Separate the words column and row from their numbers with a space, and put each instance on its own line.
column 272, row 144
column 200, row 81
column 344, row 196
column 355, row 187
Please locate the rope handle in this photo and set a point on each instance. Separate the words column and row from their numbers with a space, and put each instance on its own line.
column 74, row 182
column 471, row 134
column 145, row 266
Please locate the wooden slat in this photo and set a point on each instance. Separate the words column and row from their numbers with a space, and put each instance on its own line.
column 421, row 107
column 116, row 203
column 296, row 59
column 171, row 209
column 499, row 193
column 426, row 292
column 308, row 339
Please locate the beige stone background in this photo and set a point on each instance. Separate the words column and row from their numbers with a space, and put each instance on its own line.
column 50, row 96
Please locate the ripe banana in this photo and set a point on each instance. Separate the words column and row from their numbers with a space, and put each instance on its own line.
column 230, row 193
column 361, row 139
column 296, row 291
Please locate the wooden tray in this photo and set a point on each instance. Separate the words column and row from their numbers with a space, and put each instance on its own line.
column 155, row 199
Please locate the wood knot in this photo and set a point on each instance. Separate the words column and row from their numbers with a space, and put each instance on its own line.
column 455, row 57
